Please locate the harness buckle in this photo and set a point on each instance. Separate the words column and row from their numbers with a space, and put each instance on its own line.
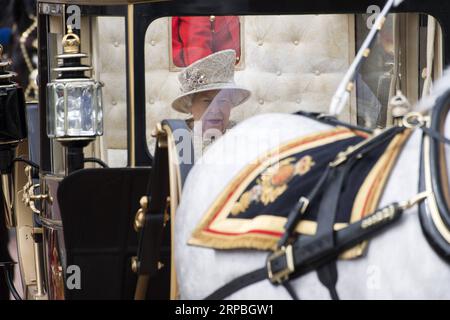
column 414, row 200
column 324, row 116
column 279, row 276
column 413, row 120
column 304, row 204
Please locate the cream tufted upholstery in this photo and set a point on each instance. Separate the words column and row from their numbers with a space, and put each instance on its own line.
column 290, row 63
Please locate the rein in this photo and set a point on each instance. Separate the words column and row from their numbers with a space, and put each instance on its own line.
column 8, row 268
column 435, row 214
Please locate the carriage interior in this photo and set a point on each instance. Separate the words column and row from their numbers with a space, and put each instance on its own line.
column 288, row 62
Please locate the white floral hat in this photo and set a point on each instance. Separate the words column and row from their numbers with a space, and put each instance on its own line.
column 214, row 72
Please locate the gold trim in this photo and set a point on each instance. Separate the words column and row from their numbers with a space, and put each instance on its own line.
column 9, row 195
column 264, row 241
column 175, row 195
column 132, row 106
column 376, row 180
column 381, row 24
column 366, row 53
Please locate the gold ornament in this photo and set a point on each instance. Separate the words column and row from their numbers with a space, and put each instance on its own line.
column 71, row 42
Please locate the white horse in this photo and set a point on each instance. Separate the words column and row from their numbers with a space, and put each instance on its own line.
column 399, row 264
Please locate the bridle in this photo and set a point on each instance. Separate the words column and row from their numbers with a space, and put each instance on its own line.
column 299, row 254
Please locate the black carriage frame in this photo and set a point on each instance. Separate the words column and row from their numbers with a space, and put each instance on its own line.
column 141, row 14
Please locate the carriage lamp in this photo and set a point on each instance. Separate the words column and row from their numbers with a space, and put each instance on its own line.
column 13, row 129
column 74, row 104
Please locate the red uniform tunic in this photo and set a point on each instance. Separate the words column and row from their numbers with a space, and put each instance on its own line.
column 194, row 38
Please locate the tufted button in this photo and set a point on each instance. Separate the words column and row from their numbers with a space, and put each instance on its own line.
column 298, row 101
column 317, row 73
column 279, row 73
column 261, row 101
column 152, row 43
column 116, row 44
column 152, row 101
column 260, row 42
column 296, row 42
column 114, row 103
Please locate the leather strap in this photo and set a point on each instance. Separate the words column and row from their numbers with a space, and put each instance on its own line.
column 328, row 276
column 291, row 291
column 300, row 208
column 435, row 135
column 326, row 219
column 329, row 204
column 309, row 253
column 8, row 268
column 238, row 284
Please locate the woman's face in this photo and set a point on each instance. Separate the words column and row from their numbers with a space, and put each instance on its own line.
column 213, row 109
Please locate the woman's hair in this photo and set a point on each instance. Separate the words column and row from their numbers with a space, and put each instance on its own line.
column 190, row 100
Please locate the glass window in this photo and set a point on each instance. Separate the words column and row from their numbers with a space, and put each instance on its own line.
column 373, row 83
column 292, row 63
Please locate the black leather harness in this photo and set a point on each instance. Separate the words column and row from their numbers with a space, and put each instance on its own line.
column 8, row 269
column 298, row 255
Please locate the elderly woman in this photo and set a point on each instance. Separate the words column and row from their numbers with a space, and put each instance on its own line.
column 209, row 93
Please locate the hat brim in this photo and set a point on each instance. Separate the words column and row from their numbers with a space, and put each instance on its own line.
column 240, row 95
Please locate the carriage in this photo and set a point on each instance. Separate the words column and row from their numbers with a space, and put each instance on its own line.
column 93, row 200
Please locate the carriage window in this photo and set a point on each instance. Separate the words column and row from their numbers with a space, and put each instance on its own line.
column 378, row 75
column 282, row 63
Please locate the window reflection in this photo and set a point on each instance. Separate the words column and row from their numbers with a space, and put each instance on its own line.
column 373, row 83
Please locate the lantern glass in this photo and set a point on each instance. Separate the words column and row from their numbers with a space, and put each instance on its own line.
column 74, row 109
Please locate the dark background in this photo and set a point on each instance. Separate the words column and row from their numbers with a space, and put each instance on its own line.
column 16, row 16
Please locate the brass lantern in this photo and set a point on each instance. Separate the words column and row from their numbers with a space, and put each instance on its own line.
column 74, row 106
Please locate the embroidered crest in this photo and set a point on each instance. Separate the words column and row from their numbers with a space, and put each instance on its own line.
column 273, row 182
